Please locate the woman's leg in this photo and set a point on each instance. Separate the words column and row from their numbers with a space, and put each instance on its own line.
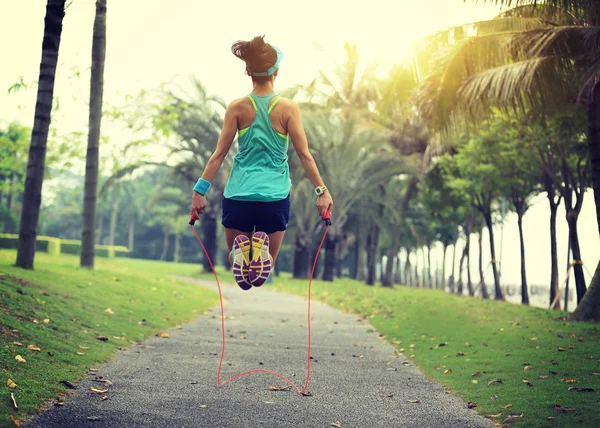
column 275, row 240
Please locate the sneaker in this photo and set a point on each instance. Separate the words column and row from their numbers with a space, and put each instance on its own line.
column 241, row 261
column 260, row 266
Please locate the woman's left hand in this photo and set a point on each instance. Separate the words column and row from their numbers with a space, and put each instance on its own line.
column 324, row 204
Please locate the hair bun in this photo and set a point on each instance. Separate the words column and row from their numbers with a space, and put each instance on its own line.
column 257, row 54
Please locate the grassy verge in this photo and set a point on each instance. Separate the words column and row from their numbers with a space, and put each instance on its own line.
column 509, row 359
column 63, row 309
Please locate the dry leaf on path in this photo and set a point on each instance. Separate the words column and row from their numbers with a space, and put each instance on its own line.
column 11, row 384
column 59, row 403
column 68, row 384
column 276, row 388
column 386, row 395
column 34, row 348
column 471, row 405
column 20, row 359
column 414, row 401
column 203, row 406
column 17, row 422
column 12, row 397
column 336, row 424
column 494, row 416
column 163, row 335
column 104, row 397
column 99, row 391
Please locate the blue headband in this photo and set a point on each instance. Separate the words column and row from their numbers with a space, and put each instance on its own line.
column 271, row 70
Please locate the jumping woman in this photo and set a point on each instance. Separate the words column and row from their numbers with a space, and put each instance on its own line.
column 256, row 204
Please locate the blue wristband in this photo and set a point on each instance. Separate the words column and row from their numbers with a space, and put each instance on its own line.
column 202, row 186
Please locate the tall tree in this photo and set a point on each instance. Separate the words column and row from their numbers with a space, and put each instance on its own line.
column 532, row 57
column 91, row 160
column 32, row 198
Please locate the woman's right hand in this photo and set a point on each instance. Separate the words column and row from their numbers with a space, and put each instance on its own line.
column 324, row 204
column 198, row 203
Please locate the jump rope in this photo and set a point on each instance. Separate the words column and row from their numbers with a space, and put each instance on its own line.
column 302, row 391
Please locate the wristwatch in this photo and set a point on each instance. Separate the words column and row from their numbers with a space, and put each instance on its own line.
column 320, row 190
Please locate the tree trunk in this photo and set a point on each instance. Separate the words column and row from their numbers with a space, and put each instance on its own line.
column 11, row 190
column 165, row 248
column 484, row 292
column 329, row 265
column 355, row 267
column 498, row 291
column 372, row 254
column 91, row 160
column 131, row 234
column 429, row 280
column 444, row 267
column 524, row 292
column 589, row 307
column 408, row 269
column 424, row 268
column 301, row 266
column 388, row 277
column 114, row 215
column 32, row 196
column 459, row 284
column 468, row 252
column 177, row 249
column 398, row 269
column 577, row 263
column 209, row 238
column 451, row 279
column 554, row 287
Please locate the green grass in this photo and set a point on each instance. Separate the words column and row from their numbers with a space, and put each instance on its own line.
column 499, row 340
column 122, row 299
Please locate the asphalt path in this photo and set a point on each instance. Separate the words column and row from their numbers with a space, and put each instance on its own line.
column 357, row 379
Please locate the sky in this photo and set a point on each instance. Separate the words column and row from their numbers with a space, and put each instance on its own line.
column 154, row 41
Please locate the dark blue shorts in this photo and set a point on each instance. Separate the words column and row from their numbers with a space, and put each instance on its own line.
column 250, row 216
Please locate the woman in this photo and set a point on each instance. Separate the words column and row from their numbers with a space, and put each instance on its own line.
column 256, row 204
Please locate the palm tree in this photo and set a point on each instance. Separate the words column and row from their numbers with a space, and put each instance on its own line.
column 90, row 193
column 531, row 57
column 32, row 198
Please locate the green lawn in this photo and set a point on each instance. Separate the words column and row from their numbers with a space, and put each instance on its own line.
column 62, row 309
column 467, row 344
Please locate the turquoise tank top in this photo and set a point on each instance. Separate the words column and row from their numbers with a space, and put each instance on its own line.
column 260, row 170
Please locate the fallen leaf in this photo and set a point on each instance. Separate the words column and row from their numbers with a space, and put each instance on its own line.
column 460, row 354
column 530, row 384
column 508, row 406
column 543, row 377
column 476, row 374
column 12, row 397
column 102, row 338
column 495, row 381
column 108, row 311
column 447, row 371
column 46, row 320
column 163, row 335
column 17, row 422
column 83, row 347
column 99, row 391
column 17, row 343
column 412, row 346
column 11, row 384
column 203, row 406
column 413, row 401
column 387, row 395
column 471, row 405
column 565, row 410
column 510, row 420
column 494, row 416
column 20, row 359
column 550, row 418
column 59, row 403
column 570, row 381
column 277, row 388
column 104, row 397
column 114, row 278
column 475, row 381
column 80, row 353
column 571, row 347
column 35, row 322
column 336, row 424
column 533, row 338
column 527, row 368
column 68, row 384
column 34, row 348
column 561, row 349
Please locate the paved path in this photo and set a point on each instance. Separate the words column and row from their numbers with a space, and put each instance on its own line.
column 357, row 379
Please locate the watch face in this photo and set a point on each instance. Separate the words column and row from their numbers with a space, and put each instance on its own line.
column 319, row 191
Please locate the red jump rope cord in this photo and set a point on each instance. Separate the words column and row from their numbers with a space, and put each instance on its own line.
column 298, row 390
